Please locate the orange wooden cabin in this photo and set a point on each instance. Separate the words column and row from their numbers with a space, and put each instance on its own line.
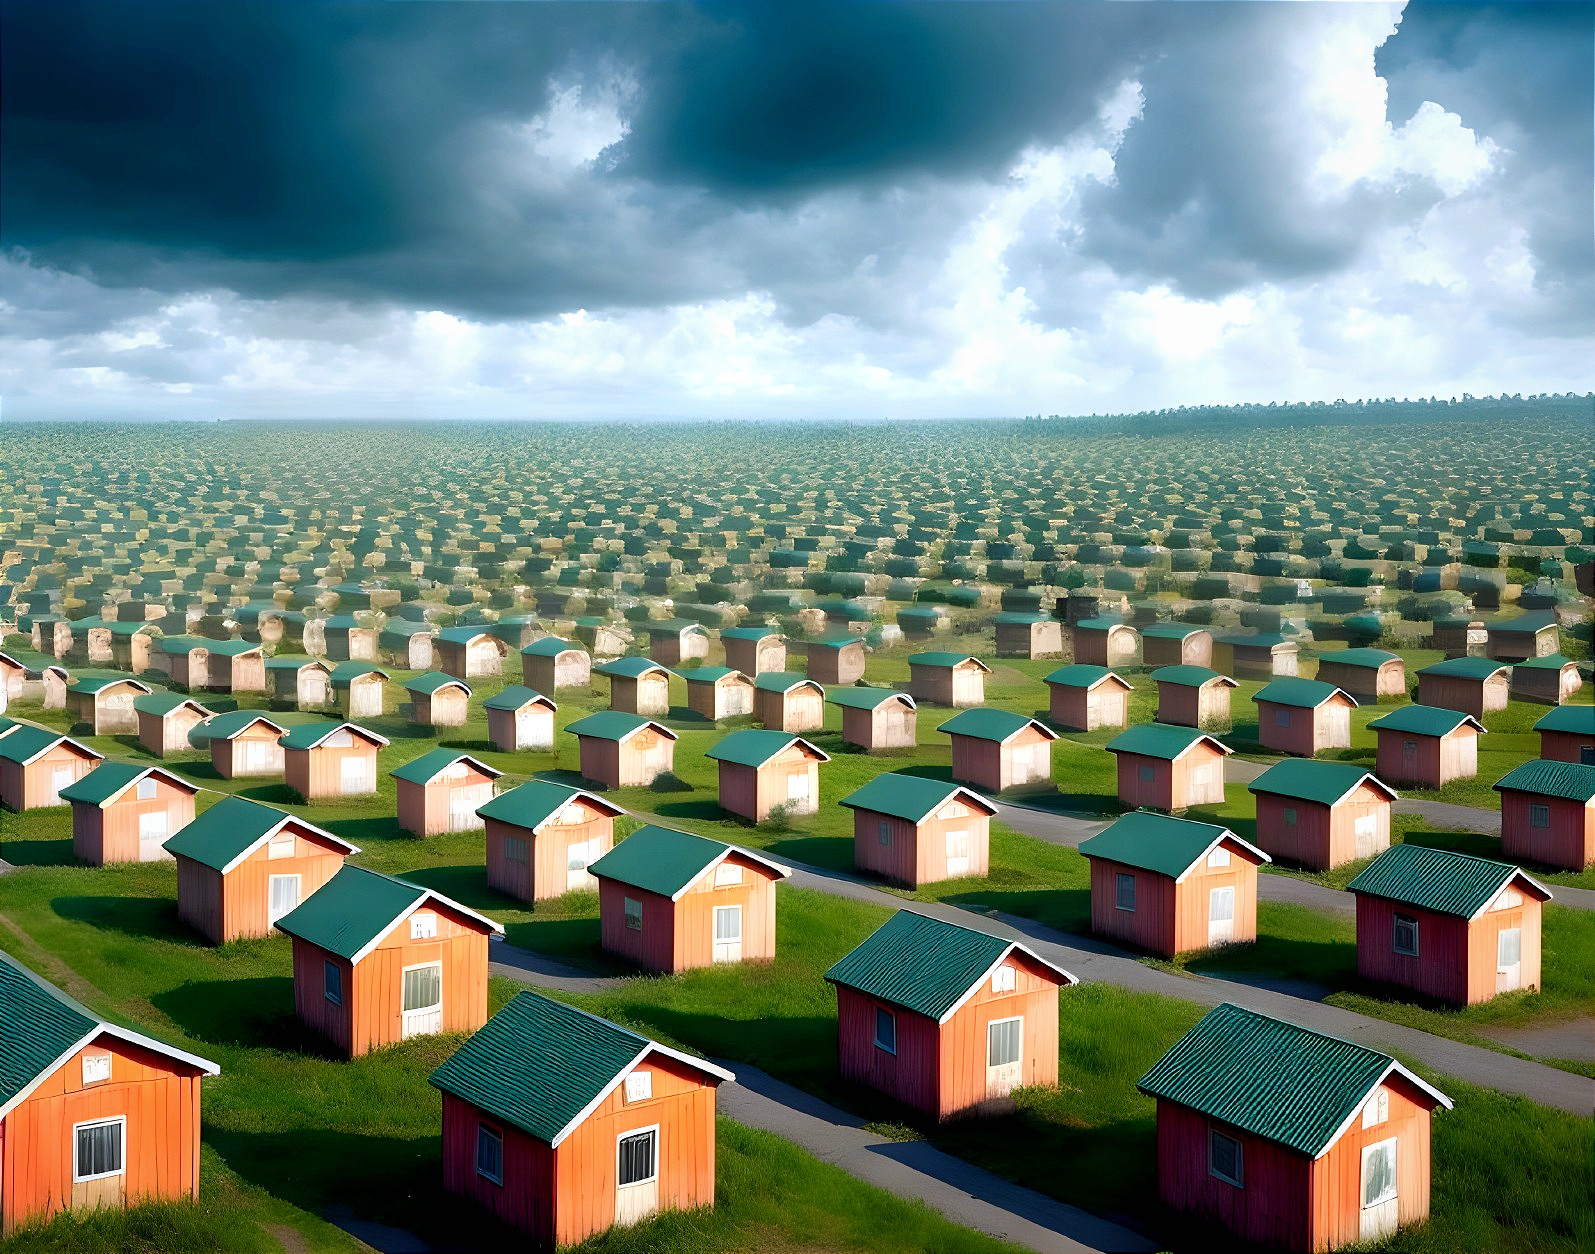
column 91, row 1114
column 1448, row 926
column 243, row 744
column 324, row 760
column 1169, row 768
column 877, row 718
column 104, row 703
column 564, row 1125
column 125, row 813
column 914, row 830
column 671, row 901
column 1473, row 685
column 1366, row 675
column 1289, row 1138
column 839, row 660
column 1321, row 815
column 379, row 960
column 1426, row 746
column 1084, row 698
column 945, row 1019
column 165, row 719
column 1192, row 696
column 542, row 838
column 1547, row 813
column 36, row 765
column 761, row 769
column 519, row 718
column 786, row 702
column 995, row 750
column 442, row 791
column 1303, row 716
column 241, row 866
column 754, row 650
column 1170, row 886
column 623, row 750
column 1567, row 734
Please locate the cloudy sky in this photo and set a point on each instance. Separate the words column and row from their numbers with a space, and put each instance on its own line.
column 787, row 210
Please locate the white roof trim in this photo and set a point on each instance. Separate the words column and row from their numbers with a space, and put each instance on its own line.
column 204, row 1065
column 354, row 727
column 1356, row 1111
column 492, row 772
column 147, row 771
column 646, row 725
column 1517, row 872
column 649, row 1047
column 243, row 727
column 1028, row 723
column 781, row 872
column 1226, row 834
column 793, row 740
column 277, row 827
column 1067, row 977
column 58, row 740
column 1224, row 748
column 426, row 894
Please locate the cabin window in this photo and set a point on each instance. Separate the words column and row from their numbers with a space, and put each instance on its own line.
column 883, row 830
column 98, row 1149
column 633, row 914
column 1406, row 935
column 1379, row 1173
column 146, row 789
column 1290, row 816
column 1281, row 718
column 490, row 1153
column 1003, row 1038
column 727, row 873
column 639, row 1086
column 1409, row 748
column 96, row 1068
column 281, row 845
column 1224, row 1159
column 1218, row 857
column 1376, row 1109
column 579, row 855
column 638, row 1154
column 515, row 850
column 1508, row 948
column 1539, row 815
column 1002, row 979
column 1146, row 774
column 332, row 983
column 1124, row 892
column 885, row 1030
column 338, row 740
column 423, row 925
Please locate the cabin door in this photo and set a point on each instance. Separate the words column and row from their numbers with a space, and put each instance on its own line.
column 256, row 757
column 636, row 1175
column 798, row 793
column 463, row 804
column 60, row 777
column 1508, row 959
column 1379, row 1205
column 1366, row 829
column 1221, row 915
column 423, row 1000
column 1031, row 762
column 578, row 857
column 1201, row 783
column 282, row 895
column 957, row 854
column 354, row 775
column 1004, row 1038
column 728, row 933
column 153, row 829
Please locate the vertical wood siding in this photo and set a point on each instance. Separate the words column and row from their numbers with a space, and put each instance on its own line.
column 317, row 773
column 544, row 874
column 961, row 1076
column 1335, row 1178
column 1565, row 746
column 1435, row 760
column 679, row 935
column 1327, row 727
column 910, row 1075
column 754, row 657
column 1273, row 1209
column 525, row 1200
column 916, row 855
column 1471, row 696
column 110, row 834
column 425, row 809
column 1569, row 841
column 1087, row 709
column 29, row 787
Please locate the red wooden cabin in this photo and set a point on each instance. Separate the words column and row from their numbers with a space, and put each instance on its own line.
column 1020, row 634
column 914, row 830
column 235, row 666
column 1546, row 680
column 165, row 719
column 877, row 718
column 470, row 652
column 954, row 679
column 1176, row 644
column 1169, row 768
column 1529, row 636
column 717, row 692
column 542, row 838
column 839, row 660
column 124, row 813
column 1192, row 696
column 1105, row 642
column 671, row 644
column 623, row 750
column 1474, row 685
column 945, row 1019
column 760, row 770
column 442, row 791
column 754, row 650
column 359, row 689
column 323, row 760
column 1257, row 656
column 36, row 765
column 1303, row 716
column 637, row 685
column 1567, row 734
column 549, row 664
column 519, row 718
column 995, row 750
column 1547, row 813
column 437, row 700
column 786, row 702
column 1084, row 698
column 1366, row 675
column 243, row 744
column 1321, row 815
column 299, row 683
column 1426, row 746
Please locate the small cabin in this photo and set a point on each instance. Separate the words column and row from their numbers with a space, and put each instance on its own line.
column 1321, row 815
column 542, row 837
column 1028, row 635
column 717, row 692
column 1567, row 734
column 359, row 689
column 516, row 630
column 601, row 636
column 241, row 866
column 1169, row 768
column 839, row 660
column 235, row 666
column 1085, row 698
column 954, row 679
column 37, row 765
column 923, row 622
column 1193, row 696
column 754, row 650
column 995, row 750
column 1546, row 680
column 1303, row 716
column 1547, row 813
column 131, row 645
column 786, row 702
column 1474, row 685
column 298, row 683
column 164, row 721
column 471, row 652
column 1448, row 926
column 378, row 960
column 104, row 703
column 1518, row 639
column 1367, row 676
column 670, row 901
column 124, row 813
column 1287, row 1137
column 1263, row 655
column 876, row 719
column 1169, row 886
column 325, row 760
column 1106, row 642
column 563, row 1125
column 92, row 1115
column 946, row 1019
column 618, row 750
column 185, row 660
column 1424, row 746
column 519, row 718
column 1460, row 636
column 408, row 646
column 243, row 744
column 1176, row 644
column 549, row 664
column 763, row 770
column 671, row 644
column 438, row 700
column 344, row 639
column 637, row 686
column 442, row 791
column 912, row 830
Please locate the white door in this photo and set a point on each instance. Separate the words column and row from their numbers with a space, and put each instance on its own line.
column 957, row 854
column 1221, row 915
column 636, row 1175
column 256, row 757
column 578, row 857
column 1508, row 959
column 463, row 804
column 728, row 933
column 282, row 895
column 1036, row 763
column 1004, row 1038
column 1201, row 782
column 60, row 777
column 152, row 834
column 354, row 774
column 797, row 791
column 423, row 1000
column 1379, row 1206
column 1367, row 833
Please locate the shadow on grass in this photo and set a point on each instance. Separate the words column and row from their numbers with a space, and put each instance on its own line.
column 467, row 746
column 574, row 940
column 1476, row 843
column 1329, row 965
column 834, row 853
column 800, row 1049
column 271, row 794
column 465, row 884
column 149, row 918
column 926, row 771
column 375, row 827
column 669, row 782
column 1064, row 909
column 258, row 1013
column 570, row 779
column 38, row 852
column 1083, row 804
column 706, row 811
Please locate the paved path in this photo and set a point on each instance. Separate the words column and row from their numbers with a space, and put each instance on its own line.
column 1452, row 818
column 1572, row 1039
column 531, row 967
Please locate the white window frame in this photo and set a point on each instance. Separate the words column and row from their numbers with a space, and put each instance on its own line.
column 892, row 1019
column 630, row 914
column 483, row 1128
column 421, row 966
column 1120, row 880
column 1019, row 1057
column 1238, row 1180
column 1396, row 924
column 1395, row 1180
column 1500, row 943
column 726, row 911
column 299, row 893
column 331, row 989
column 120, row 1122
column 628, row 1135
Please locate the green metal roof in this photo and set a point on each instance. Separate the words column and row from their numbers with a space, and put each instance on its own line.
column 835, row 642
column 425, row 768
column 1015, row 618
column 752, row 747
column 542, row 1066
column 109, row 779
column 667, row 862
column 867, row 698
column 354, row 910
column 432, row 681
column 1577, row 720
column 513, row 697
column 533, row 803
column 782, row 681
column 1307, row 694
column 94, row 683
column 1322, row 782
column 1190, row 676
column 1550, row 662
column 220, row 836
column 345, row 673
column 615, row 725
column 1170, row 631
column 925, row 964
column 1100, row 624
column 465, row 634
column 631, row 668
column 707, row 674
column 1480, row 668
column 909, row 797
column 986, row 723
column 309, row 735
column 1160, row 843
column 1161, row 740
column 163, row 703
column 231, row 648
column 1439, row 880
column 24, row 743
column 1571, row 781
column 1423, row 720
column 181, row 644
column 1369, row 658
column 1255, row 640
column 1274, row 1079
column 749, row 633
column 227, row 725
column 945, row 661
column 550, row 646
column 1528, row 624
column 1080, row 675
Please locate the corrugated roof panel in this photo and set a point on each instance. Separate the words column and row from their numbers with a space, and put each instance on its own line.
column 920, row 963
column 1435, row 879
